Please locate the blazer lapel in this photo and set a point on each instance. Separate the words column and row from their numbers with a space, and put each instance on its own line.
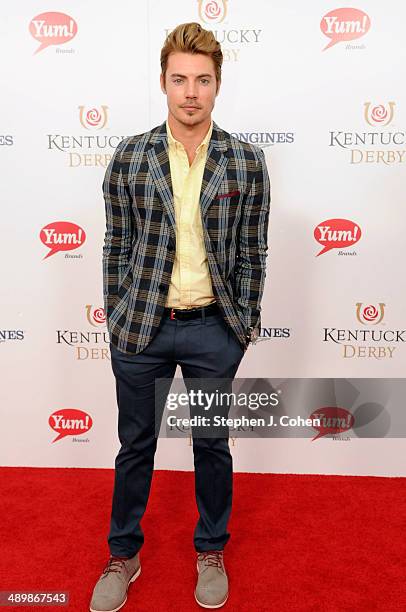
column 214, row 170
column 159, row 167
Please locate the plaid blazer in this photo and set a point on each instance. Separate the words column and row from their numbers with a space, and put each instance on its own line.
column 139, row 244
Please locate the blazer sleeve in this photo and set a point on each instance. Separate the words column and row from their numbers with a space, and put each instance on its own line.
column 252, row 247
column 119, row 224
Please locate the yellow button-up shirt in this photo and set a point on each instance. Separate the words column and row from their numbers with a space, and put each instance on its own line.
column 190, row 284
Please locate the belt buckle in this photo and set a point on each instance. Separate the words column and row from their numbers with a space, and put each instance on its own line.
column 172, row 315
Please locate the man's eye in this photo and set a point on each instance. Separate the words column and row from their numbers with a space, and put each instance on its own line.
column 178, row 81
column 204, row 81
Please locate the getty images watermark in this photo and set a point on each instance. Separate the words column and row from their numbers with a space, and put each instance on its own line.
column 214, row 407
column 312, row 408
column 212, row 403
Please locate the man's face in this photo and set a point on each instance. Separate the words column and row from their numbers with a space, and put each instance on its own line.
column 190, row 86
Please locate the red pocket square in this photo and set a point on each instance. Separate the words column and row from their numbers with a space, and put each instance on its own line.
column 227, row 195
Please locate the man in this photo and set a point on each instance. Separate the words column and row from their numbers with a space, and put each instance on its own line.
column 184, row 259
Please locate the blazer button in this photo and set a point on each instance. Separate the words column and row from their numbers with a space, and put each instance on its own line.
column 170, row 247
column 161, row 287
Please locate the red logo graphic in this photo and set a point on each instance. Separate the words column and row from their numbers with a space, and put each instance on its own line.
column 69, row 422
column 379, row 115
column 52, row 29
column 370, row 314
column 336, row 234
column 93, row 117
column 212, row 11
column 62, row 236
column 332, row 420
column 96, row 317
column 99, row 315
column 344, row 24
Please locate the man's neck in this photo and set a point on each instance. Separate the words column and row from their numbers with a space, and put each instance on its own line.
column 189, row 136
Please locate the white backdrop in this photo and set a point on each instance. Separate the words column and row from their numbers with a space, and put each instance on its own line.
column 75, row 83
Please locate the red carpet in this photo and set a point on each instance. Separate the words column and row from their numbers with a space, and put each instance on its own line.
column 311, row 543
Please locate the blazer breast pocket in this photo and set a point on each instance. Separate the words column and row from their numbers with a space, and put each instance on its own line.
column 224, row 213
column 230, row 194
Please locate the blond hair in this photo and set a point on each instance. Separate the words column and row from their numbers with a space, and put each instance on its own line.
column 192, row 38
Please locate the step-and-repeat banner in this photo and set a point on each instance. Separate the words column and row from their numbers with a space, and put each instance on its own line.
column 319, row 87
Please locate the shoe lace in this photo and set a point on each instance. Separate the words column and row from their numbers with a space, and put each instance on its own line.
column 212, row 557
column 115, row 564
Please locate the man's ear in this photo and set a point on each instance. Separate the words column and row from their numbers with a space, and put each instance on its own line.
column 218, row 87
column 162, row 80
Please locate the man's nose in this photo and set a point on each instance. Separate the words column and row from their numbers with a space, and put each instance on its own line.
column 191, row 91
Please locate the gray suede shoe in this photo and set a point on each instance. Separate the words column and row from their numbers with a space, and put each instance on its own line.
column 212, row 582
column 110, row 592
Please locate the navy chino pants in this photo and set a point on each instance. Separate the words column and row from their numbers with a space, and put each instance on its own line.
column 204, row 347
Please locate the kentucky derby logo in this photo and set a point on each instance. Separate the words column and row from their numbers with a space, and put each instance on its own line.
column 95, row 317
column 95, row 147
column 212, row 11
column 93, row 118
column 378, row 115
column 379, row 146
column 87, row 344
column 370, row 341
column 370, row 315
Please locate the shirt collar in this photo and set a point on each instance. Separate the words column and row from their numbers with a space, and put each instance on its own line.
column 175, row 144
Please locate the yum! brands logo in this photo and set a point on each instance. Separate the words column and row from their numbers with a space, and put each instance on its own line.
column 343, row 25
column 70, row 422
column 332, row 421
column 87, row 344
column 372, row 341
column 62, row 236
column 378, row 145
column 53, row 29
column 337, row 234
